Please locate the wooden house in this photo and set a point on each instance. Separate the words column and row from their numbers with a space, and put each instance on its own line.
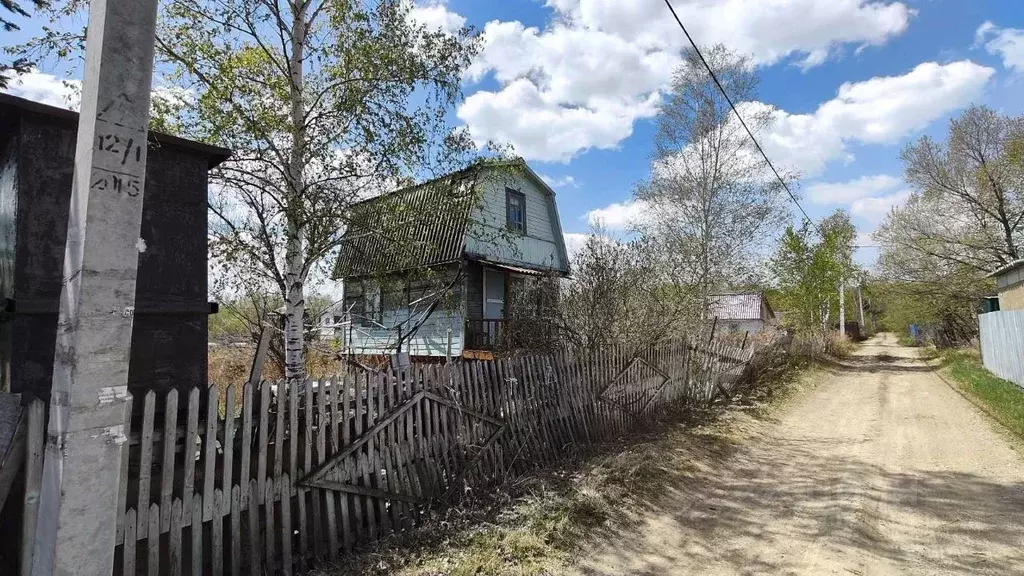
column 1009, row 286
column 740, row 312
column 428, row 269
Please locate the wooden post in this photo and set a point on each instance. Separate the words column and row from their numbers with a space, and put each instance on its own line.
column 256, row 371
column 78, row 502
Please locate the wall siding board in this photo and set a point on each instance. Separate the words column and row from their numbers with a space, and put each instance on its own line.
column 487, row 238
column 431, row 339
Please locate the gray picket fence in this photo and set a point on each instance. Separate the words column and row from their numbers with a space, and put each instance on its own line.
column 275, row 478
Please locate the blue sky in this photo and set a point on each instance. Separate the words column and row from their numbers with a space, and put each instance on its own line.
column 574, row 85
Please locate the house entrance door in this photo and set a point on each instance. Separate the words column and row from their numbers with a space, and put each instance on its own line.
column 494, row 294
column 494, row 305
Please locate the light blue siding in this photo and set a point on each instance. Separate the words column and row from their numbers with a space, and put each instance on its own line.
column 488, row 238
column 430, row 339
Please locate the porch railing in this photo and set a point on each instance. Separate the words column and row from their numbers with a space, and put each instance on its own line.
column 484, row 333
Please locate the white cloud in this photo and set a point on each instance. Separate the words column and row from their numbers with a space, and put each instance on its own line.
column 870, row 197
column 584, row 80
column 559, row 181
column 811, row 30
column 875, row 209
column 881, row 110
column 619, row 215
column 546, row 131
column 574, row 242
column 47, row 89
column 846, row 192
column 864, row 239
column 436, row 16
column 1007, row 43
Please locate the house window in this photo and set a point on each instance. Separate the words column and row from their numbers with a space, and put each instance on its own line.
column 394, row 298
column 515, row 210
column 371, row 304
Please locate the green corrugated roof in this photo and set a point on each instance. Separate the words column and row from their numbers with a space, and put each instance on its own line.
column 414, row 227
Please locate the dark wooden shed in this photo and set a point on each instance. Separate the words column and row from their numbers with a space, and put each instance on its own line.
column 169, row 339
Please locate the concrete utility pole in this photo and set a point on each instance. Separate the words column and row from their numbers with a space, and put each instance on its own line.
column 77, row 515
column 860, row 304
column 842, row 309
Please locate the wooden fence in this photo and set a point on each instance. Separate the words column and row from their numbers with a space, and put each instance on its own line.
column 274, row 478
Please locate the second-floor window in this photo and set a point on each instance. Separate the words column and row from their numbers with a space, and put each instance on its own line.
column 515, row 210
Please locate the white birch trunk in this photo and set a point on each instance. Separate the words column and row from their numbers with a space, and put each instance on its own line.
column 295, row 276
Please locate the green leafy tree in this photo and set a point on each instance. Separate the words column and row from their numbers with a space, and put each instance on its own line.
column 323, row 103
column 810, row 265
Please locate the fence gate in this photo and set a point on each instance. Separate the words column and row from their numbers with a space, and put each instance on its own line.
column 418, row 452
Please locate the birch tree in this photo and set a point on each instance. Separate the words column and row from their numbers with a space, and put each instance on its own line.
column 712, row 199
column 324, row 102
column 809, row 265
column 967, row 205
column 10, row 9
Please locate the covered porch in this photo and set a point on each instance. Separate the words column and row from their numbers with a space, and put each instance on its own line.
column 490, row 288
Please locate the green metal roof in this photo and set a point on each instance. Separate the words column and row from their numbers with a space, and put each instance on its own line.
column 414, row 227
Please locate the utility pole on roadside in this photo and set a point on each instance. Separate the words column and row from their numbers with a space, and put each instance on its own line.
column 78, row 499
column 860, row 304
column 842, row 309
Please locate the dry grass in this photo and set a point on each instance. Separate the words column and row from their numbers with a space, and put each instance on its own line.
column 815, row 345
column 230, row 364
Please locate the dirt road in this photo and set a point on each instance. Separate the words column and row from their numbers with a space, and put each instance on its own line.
column 880, row 469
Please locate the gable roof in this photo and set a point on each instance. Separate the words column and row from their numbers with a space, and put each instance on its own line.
column 1016, row 264
column 423, row 225
column 739, row 306
column 418, row 226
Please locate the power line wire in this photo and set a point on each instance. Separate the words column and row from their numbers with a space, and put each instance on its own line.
column 735, row 111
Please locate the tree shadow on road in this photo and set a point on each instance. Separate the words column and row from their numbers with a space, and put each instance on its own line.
column 876, row 364
column 771, row 508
